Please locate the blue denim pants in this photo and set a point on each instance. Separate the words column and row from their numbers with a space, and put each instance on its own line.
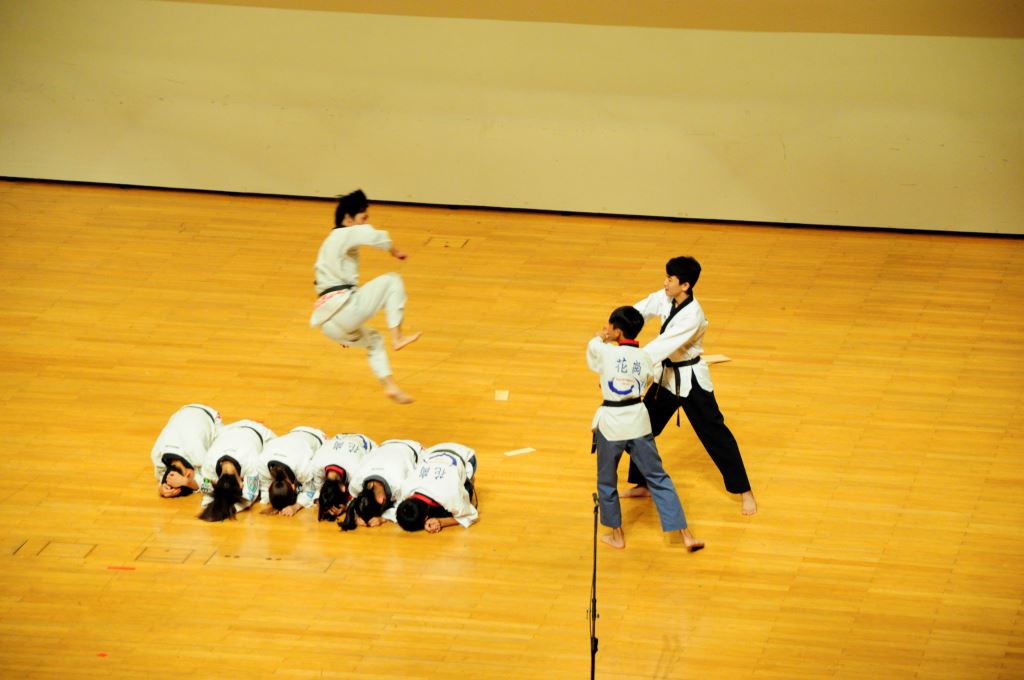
column 644, row 453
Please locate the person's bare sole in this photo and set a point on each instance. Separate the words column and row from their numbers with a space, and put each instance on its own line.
column 618, row 544
column 749, row 506
column 636, row 492
column 406, row 340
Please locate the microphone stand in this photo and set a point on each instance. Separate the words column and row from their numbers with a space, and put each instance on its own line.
column 593, row 600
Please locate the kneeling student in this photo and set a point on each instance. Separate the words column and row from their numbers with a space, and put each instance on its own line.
column 440, row 492
column 180, row 447
column 375, row 487
column 333, row 467
column 231, row 478
column 286, row 473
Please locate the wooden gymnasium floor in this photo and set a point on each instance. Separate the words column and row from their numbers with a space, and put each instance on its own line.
column 875, row 387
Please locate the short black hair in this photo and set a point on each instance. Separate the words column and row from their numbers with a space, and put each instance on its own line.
column 628, row 320
column 412, row 514
column 351, row 205
column 684, row 268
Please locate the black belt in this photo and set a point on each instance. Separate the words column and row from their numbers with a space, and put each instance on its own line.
column 415, row 453
column 453, row 454
column 624, row 402
column 317, row 437
column 212, row 419
column 344, row 286
column 614, row 404
column 256, row 432
column 675, row 366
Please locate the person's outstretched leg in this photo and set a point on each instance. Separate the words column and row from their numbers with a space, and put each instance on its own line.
column 701, row 409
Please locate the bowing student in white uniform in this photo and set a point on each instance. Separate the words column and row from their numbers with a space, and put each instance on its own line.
column 440, row 492
column 334, row 465
column 230, row 474
column 376, row 486
column 343, row 305
column 180, row 447
column 286, row 473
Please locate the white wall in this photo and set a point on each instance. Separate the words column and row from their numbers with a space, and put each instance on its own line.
column 862, row 130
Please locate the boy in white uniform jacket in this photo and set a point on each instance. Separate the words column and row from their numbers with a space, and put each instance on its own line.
column 180, row 447
column 376, row 486
column 440, row 492
column 230, row 475
column 343, row 306
column 621, row 424
column 286, row 473
column 333, row 468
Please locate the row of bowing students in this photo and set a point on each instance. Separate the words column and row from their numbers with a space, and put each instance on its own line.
column 351, row 479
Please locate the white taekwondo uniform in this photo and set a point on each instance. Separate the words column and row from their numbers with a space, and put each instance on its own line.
column 345, row 451
column 295, row 450
column 678, row 348
column 390, row 463
column 241, row 441
column 343, row 306
column 187, row 435
column 681, row 341
column 441, row 476
column 625, row 372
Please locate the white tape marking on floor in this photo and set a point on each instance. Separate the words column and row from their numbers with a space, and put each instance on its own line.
column 519, row 452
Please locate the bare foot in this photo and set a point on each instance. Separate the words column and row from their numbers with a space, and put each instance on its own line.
column 692, row 544
column 399, row 343
column 396, row 395
column 615, row 539
column 393, row 392
column 749, row 504
column 636, row 492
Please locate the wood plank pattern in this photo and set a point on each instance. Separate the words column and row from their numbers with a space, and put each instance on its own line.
column 875, row 386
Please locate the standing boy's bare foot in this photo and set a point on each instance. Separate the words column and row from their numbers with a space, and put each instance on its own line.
column 636, row 492
column 615, row 539
column 692, row 544
column 399, row 342
column 749, row 504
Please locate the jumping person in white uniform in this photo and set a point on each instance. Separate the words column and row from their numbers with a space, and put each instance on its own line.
column 180, row 447
column 375, row 487
column 334, row 465
column 621, row 424
column 343, row 306
column 439, row 493
column 230, row 475
column 286, row 473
